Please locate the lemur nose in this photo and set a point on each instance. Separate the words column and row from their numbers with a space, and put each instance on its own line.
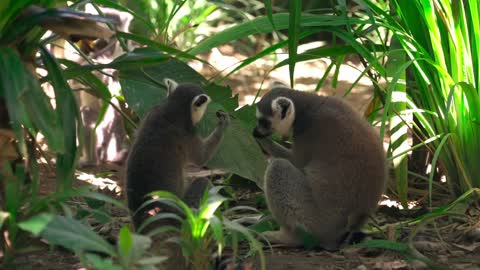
column 258, row 134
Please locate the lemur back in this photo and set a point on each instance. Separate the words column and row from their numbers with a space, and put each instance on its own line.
column 333, row 176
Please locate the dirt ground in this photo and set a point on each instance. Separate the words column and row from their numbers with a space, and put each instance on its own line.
column 453, row 242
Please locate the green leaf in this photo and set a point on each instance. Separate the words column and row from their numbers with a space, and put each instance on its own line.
column 162, row 47
column 88, row 79
column 73, row 235
column 27, row 103
column 101, row 263
column 223, row 96
column 171, row 200
column 157, row 217
column 99, row 197
column 152, row 260
column 254, row 244
column 68, row 115
column 239, row 153
column 398, row 127
column 125, row 245
column 269, row 11
column 263, row 53
column 217, row 228
column 261, row 25
column 212, row 204
column 293, row 36
column 9, row 9
column 138, row 58
column 141, row 244
column 320, row 52
column 36, row 224
column 101, row 216
column 123, row 8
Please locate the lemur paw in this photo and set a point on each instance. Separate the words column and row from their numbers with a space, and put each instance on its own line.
column 223, row 119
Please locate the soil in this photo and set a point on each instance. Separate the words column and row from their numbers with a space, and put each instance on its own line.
column 451, row 242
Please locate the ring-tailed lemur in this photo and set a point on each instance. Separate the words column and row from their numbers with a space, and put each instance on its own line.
column 165, row 142
column 333, row 176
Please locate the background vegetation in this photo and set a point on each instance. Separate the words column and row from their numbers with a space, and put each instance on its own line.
column 422, row 58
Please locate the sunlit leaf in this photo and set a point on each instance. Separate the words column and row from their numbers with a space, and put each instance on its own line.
column 36, row 224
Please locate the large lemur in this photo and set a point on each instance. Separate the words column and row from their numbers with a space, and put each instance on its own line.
column 331, row 179
column 165, row 142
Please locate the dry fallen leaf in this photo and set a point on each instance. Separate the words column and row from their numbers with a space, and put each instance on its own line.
column 7, row 146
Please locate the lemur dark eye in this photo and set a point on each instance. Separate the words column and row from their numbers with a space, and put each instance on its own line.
column 200, row 100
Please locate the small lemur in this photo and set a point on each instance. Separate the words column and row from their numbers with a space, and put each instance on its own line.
column 165, row 142
column 331, row 179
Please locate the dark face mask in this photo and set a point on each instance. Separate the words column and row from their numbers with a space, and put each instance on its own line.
column 263, row 128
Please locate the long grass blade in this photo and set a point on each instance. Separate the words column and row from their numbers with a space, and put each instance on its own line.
column 68, row 116
column 293, row 36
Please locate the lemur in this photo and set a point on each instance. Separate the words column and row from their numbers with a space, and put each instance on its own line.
column 166, row 142
column 333, row 176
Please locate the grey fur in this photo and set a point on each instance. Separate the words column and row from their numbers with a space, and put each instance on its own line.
column 165, row 142
column 331, row 179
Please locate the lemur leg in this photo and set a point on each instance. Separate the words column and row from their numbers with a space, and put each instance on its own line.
column 194, row 193
column 290, row 200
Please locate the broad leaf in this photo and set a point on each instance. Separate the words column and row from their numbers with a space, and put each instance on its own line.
column 132, row 247
column 36, row 224
column 73, row 235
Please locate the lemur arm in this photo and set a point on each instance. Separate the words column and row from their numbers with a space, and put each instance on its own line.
column 274, row 149
column 202, row 150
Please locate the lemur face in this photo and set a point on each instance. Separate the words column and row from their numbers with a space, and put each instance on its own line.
column 276, row 117
column 194, row 95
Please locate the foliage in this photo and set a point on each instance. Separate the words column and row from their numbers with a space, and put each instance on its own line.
column 178, row 22
column 203, row 230
column 30, row 112
column 129, row 253
column 440, row 39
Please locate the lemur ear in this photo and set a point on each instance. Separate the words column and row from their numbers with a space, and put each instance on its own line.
column 282, row 106
column 171, row 85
